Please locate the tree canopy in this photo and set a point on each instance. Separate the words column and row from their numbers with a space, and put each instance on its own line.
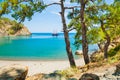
column 21, row 9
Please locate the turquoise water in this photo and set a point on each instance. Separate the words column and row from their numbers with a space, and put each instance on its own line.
column 38, row 46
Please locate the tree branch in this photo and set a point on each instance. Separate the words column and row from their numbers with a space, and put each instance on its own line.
column 54, row 4
column 71, row 29
column 72, row 7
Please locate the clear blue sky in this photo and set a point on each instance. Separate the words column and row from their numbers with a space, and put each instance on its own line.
column 49, row 20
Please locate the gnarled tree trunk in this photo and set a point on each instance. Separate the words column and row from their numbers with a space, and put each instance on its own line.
column 100, row 47
column 66, row 36
column 84, row 31
column 107, row 43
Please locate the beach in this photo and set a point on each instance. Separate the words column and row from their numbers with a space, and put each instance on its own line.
column 35, row 67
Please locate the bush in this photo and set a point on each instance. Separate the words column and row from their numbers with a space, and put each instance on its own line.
column 114, row 51
column 114, row 54
column 96, row 57
column 10, row 31
column 14, row 29
column 69, row 72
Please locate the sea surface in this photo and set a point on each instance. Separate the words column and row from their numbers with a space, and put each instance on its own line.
column 38, row 46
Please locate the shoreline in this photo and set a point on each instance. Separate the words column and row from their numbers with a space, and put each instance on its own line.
column 46, row 67
column 33, row 59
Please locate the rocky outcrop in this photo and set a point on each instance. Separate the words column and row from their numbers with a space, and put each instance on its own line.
column 117, row 71
column 35, row 77
column 112, row 73
column 24, row 31
column 12, row 28
column 108, row 72
column 13, row 72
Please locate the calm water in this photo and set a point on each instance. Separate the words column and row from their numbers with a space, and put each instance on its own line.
column 38, row 46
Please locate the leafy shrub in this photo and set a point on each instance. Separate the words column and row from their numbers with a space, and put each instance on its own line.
column 10, row 31
column 16, row 28
column 114, row 54
column 96, row 57
column 69, row 72
column 114, row 51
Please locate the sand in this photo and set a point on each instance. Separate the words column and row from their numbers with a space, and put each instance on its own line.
column 35, row 67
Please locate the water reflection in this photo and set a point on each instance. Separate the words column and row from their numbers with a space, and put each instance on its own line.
column 9, row 39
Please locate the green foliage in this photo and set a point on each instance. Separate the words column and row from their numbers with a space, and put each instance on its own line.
column 69, row 72
column 11, row 31
column 72, row 1
column 114, row 51
column 16, row 28
column 97, row 57
column 3, row 8
column 14, row 25
column 93, row 35
column 5, row 19
column 21, row 9
column 95, row 12
column 115, row 56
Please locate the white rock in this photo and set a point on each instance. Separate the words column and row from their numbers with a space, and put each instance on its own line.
column 79, row 52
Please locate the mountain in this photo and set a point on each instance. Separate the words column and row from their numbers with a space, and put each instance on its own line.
column 12, row 28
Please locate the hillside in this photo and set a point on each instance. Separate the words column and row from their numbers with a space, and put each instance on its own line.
column 12, row 28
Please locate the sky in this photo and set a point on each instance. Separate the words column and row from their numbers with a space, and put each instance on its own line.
column 49, row 20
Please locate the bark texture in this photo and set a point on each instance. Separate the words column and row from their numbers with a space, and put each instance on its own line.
column 107, row 43
column 66, row 36
column 84, row 32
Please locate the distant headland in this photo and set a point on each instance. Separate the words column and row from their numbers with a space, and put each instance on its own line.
column 12, row 28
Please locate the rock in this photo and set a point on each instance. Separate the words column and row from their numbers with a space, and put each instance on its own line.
column 53, row 76
column 118, row 67
column 79, row 52
column 117, row 71
column 13, row 72
column 89, row 76
column 11, row 28
column 24, row 31
column 35, row 77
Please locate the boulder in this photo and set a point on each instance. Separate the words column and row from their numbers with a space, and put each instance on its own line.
column 13, row 72
column 79, row 52
column 117, row 71
column 35, row 77
column 89, row 76
column 53, row 76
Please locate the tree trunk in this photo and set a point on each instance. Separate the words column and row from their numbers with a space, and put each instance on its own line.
column 107, row 43
column 84, row 30
column 66, row 36
column 106, row 47
column 100, row 47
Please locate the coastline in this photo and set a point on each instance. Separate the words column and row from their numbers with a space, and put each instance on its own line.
column 40, row 66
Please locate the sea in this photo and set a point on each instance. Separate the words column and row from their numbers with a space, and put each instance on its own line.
column 37, row 46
